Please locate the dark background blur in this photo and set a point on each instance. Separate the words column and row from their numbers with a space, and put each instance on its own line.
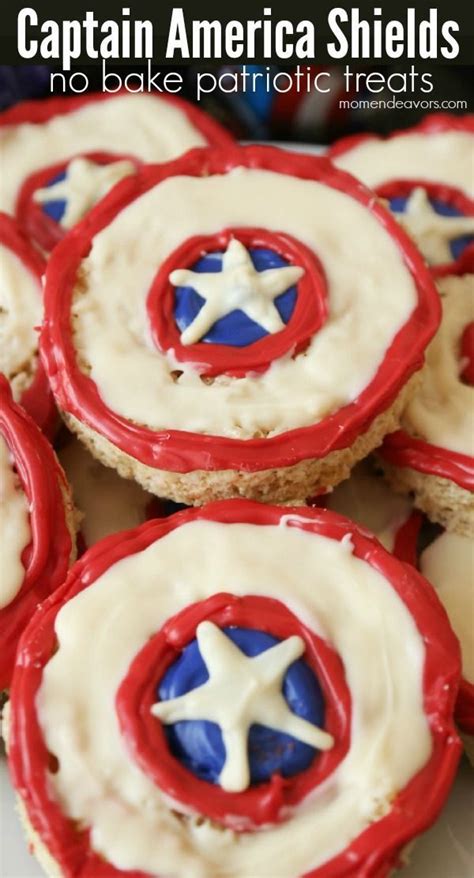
column 263, row 114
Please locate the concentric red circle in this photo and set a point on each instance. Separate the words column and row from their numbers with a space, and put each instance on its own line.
column 436, row 123
column 448, row 195
column 46, row 558
column 259, row 805
column 181, row 451
column 36, row 224
column 308, row 316
column 375, row 851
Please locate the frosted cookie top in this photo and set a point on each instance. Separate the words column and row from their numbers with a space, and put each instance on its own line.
column 21, row 313
column 426, row 174
column 438, row 424
column 229, row 278
column 36, row 522
column 207, row 700
column 107, row 502
column 36, row 136
column 449, row 563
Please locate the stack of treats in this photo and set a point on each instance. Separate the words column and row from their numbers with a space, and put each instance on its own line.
column 248, row 413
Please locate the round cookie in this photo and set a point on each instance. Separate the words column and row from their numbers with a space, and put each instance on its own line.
column 21, row 307
column 425, row 174
column 433, row 455
column 106, row 502
column 37, row 525
column 242, row 727
column 448, row 563
column 61, row 155
column 445, row 559
column 213, row 301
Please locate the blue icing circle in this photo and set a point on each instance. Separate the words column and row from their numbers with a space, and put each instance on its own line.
column 55, row 209
column 235, row 329
column 457, row 245
column 198, row 744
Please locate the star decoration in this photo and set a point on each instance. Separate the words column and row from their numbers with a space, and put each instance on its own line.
column 432, row 231
column 242, row 691
column 237, row 286
column 86, row 183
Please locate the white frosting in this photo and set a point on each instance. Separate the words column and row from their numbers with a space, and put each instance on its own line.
column 139, row 125
column 432, row 231
column 15, row 532
column 449, row 565
column 238, row 286
column 445, row 157
column 368, row 501
column 21, row 312
column 339, row 596
column 108, row 502
column 85, row 184
column 442, row 409
column 360, row 260
column 242, row 691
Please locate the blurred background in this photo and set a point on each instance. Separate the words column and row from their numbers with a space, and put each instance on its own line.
column 267, row 115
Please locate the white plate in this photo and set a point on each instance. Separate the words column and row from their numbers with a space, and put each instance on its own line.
column 446, row 851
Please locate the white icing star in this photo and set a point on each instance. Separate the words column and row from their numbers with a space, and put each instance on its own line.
column 242, row 691
column 85, row 184
column 238, row 286
column 432, row 231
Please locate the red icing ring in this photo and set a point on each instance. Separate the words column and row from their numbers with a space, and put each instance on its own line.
column 377, row 849
column 449, row 195
column 309, row 314
column 37, row 399
column 401, row 449
column 267, row 803
column 433, row 124
column 46, row 558
column 181, row 451
column 37, row 225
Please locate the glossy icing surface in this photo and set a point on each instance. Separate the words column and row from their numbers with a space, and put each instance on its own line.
column 150, row 128
column 445, row 156
column 15, row 533
column 67, row 199
column 111, row 317
column 311, row 831
column 239, row 744
column 426, row 175
column 245, row 558
column 441, row 411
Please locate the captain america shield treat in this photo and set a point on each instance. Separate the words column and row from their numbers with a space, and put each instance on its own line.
column 426, row 175
column 270, row 695
column 445, row 559
column 37, row 525
column 198, row 325
column 21, row 309
column 432, row 456
column 60, row 156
